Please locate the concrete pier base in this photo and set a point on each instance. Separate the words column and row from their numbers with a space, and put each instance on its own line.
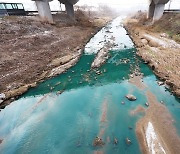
column 69, row 10
column 44, row 11
column 158, row 12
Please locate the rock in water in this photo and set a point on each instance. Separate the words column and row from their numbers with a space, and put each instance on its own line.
column 131, row 97
column 98, row 142
column 128, row 141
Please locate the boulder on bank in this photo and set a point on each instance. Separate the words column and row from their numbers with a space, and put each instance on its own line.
column 131, row 97
column 2, row 97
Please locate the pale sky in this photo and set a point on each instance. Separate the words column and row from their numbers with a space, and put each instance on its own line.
column 120, row 4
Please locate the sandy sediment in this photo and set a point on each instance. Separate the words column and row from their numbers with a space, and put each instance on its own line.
column 103, row 120
column 163, row 125
column 137, row 110
column 155, row 131
column 137, row 81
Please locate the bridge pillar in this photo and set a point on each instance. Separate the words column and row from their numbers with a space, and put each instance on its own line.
column 158, row 12
column 151, row 10
column 156, row 9
column 70, row 10
column 44, row 10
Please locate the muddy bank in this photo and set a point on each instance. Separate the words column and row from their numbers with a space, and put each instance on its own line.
column 32, row 52
column 157, row 49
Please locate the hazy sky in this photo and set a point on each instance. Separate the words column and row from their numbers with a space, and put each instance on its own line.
column 120, row 4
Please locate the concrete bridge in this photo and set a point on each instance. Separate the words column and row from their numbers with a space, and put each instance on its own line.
column 156, row 8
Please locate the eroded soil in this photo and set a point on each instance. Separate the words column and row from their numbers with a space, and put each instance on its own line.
column 29, row 47
column 157, row 47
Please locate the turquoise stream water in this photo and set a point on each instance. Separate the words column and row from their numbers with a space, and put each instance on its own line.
column 44, row 121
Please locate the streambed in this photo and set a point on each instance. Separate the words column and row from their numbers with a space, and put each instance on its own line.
column 66, row 113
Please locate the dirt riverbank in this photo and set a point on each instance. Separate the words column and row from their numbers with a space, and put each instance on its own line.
column 32, row 51
column 156, row 46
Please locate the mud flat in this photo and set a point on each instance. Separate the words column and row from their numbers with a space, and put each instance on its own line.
column 158, row 50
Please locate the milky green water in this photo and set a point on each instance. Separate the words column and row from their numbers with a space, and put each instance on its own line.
column 43, row 121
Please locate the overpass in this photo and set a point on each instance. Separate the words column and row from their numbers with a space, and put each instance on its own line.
column 156, row 8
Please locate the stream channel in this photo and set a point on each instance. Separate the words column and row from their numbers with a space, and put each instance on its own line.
column 44, row 120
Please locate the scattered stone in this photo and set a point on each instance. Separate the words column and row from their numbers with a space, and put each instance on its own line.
column 1, row 101
column 98, row 72
column 128, row 141
column 115, row 141
column 163, row 35
column 122, row 103
column 161, row 102
column 144, row 41
column 147, row 104
column 98, row 142
column 131, row 75
column 131, row 97
column 59, row 92
column 1, row 141
column 130, row 128
column 160, row 83
column 2, row 96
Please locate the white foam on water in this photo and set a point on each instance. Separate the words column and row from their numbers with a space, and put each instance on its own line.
column 113, row 33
